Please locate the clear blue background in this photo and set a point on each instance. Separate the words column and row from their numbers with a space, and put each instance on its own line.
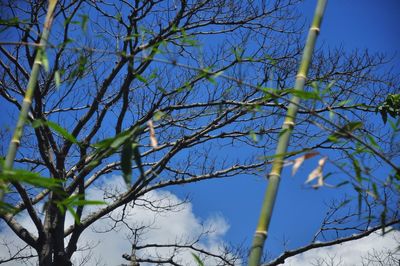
column 354, row 25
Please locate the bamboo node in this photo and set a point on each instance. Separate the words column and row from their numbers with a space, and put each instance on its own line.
column 27, row 100
column 274, row 174
column 316, row 29
column 39, row 62
column 16, row 141
column 261, row 232
column 301, row 76
column 289, row 123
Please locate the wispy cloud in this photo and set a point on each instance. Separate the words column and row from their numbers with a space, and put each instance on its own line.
column 175, row 222
column 364, row 251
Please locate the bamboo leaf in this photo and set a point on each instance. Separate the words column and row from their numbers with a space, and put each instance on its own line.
column 34, row 179
column 62, row 131
column 317, row 173
column 57, row 79
column 88, row 202
column 141, row 78
column 299, row 161
column 9, row 23
column 120, row 139
column 84, row 21
column 126, row 162
column 253, row 136
column 198, row 260
column 329, row 86
column 73, row 213
column 331, row 115
column 343, row 103
column 59, row 129
column 344, row 132
column 138, row 159
column 158, row 115
column 373, row 142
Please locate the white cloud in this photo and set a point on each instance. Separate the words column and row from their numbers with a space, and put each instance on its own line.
column 358, row 252
column 176, row 225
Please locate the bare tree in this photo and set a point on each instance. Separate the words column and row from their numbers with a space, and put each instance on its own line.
column 204, row 75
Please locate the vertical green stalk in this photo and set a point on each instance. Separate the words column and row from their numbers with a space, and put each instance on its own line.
column 287, row 128
column 26, row 104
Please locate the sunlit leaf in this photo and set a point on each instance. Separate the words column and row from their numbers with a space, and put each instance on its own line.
column 57, row 79
column 158, row 115
column 317, row 173
column 299, row 160
column 253, row 136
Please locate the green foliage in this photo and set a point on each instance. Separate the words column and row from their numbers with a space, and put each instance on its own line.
column 57, row 79
column 199, row 262
column 158, row 115
column 390, row 106
column 11, row 22
column 80, row 67
column 31, row 178
column 126, row 161
column 127, row 142
column 75, row 201
column 345, row 131
column 56, row 127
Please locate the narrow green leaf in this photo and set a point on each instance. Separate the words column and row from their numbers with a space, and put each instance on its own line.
column 34, row 179
column 141, row 78
column 344, row 131
column 253, row 136
column 62, row 131
column 126, row 162
column 120, row 139
column 73, row 213
column 138, row 159
column 357, row 170
column 158, row 115
column 88, row 202
column 343, row 103
column 59, row 129
column 198, row 260
column 84, row 21
column 57, row 79
column 384, row 116
column 342, row 184
column 329, row 86
column 375, row 189
column 373, row 142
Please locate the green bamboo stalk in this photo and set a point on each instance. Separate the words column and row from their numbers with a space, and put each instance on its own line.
column 26, row 104
column 287, row 128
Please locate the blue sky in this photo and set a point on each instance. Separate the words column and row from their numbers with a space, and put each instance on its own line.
column 354, row 25
column 234, row 202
